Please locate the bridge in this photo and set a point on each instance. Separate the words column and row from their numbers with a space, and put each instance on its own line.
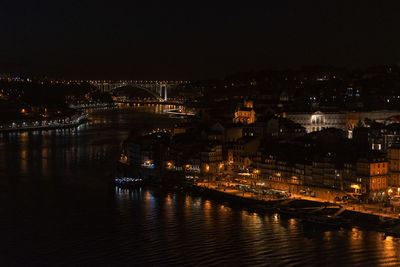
column 158, row 89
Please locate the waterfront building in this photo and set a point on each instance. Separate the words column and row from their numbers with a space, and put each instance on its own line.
column 393, row 155
column 326, row 173
column 307, row 164
column 185, row 149
column 372, row 174
column 320, row 173
column 211, row 158
column 147, row 150
column 242, row 151
column 351, row 183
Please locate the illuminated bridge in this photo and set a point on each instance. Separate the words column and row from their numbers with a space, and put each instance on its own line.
column 158, row 89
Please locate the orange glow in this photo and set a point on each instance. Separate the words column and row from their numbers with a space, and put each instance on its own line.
column 355, row 186
column 123, row 159
column 207, row 167
column 207, row 205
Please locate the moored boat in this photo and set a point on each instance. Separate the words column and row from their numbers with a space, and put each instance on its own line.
column 128, row 181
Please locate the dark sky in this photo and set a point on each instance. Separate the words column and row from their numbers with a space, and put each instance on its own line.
column 199, row 39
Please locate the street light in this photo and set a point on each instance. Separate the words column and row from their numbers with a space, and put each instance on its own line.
column 207, row 167
column 169, row 164
column 221, row 165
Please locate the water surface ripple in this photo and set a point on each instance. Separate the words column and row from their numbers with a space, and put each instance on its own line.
column 58, row 208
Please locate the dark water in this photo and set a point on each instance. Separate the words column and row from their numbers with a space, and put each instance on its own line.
column 57, row 207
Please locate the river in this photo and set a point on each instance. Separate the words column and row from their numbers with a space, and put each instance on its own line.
column 59, row 208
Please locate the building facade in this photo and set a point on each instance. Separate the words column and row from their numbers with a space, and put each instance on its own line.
column 246, row 114
column 373, row 176
column 318, row 121
column 393, row 155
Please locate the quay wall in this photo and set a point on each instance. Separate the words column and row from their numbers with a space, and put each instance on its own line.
column 322, row 193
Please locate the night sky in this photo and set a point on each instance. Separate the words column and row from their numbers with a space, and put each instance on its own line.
column 196, row 40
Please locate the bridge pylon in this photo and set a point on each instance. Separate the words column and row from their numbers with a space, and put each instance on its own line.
column 163, row 87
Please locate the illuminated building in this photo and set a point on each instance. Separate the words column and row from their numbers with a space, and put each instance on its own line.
column 245, row 115
column 326, row 173
column 372, row 174
column 345, row 121
column 211, row 159
column 318, row 121
column 393, row 155
column 242, row 151
column 354, row 118
column 378, row 137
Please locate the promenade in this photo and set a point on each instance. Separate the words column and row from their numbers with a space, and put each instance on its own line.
column 371, row 209
column 43, row 125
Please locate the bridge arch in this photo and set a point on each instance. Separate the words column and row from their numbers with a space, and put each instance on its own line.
column 153, row 93
column 155, row 90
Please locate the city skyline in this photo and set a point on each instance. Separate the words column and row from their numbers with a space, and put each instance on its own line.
column 205, row 134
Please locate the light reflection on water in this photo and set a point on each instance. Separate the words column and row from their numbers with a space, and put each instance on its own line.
column 230, row 235
column 58, row 206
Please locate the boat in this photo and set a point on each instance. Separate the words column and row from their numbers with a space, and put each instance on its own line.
column 128, row 181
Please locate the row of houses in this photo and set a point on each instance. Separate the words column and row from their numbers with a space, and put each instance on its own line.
column 370, row 176
column 276, row 149
column 307, row 122
column 373, row 175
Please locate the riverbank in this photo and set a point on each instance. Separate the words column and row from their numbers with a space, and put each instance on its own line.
column 373, row 209
column 36, row 126
column 308, row 210
column 94, row 106
column 296, row 207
